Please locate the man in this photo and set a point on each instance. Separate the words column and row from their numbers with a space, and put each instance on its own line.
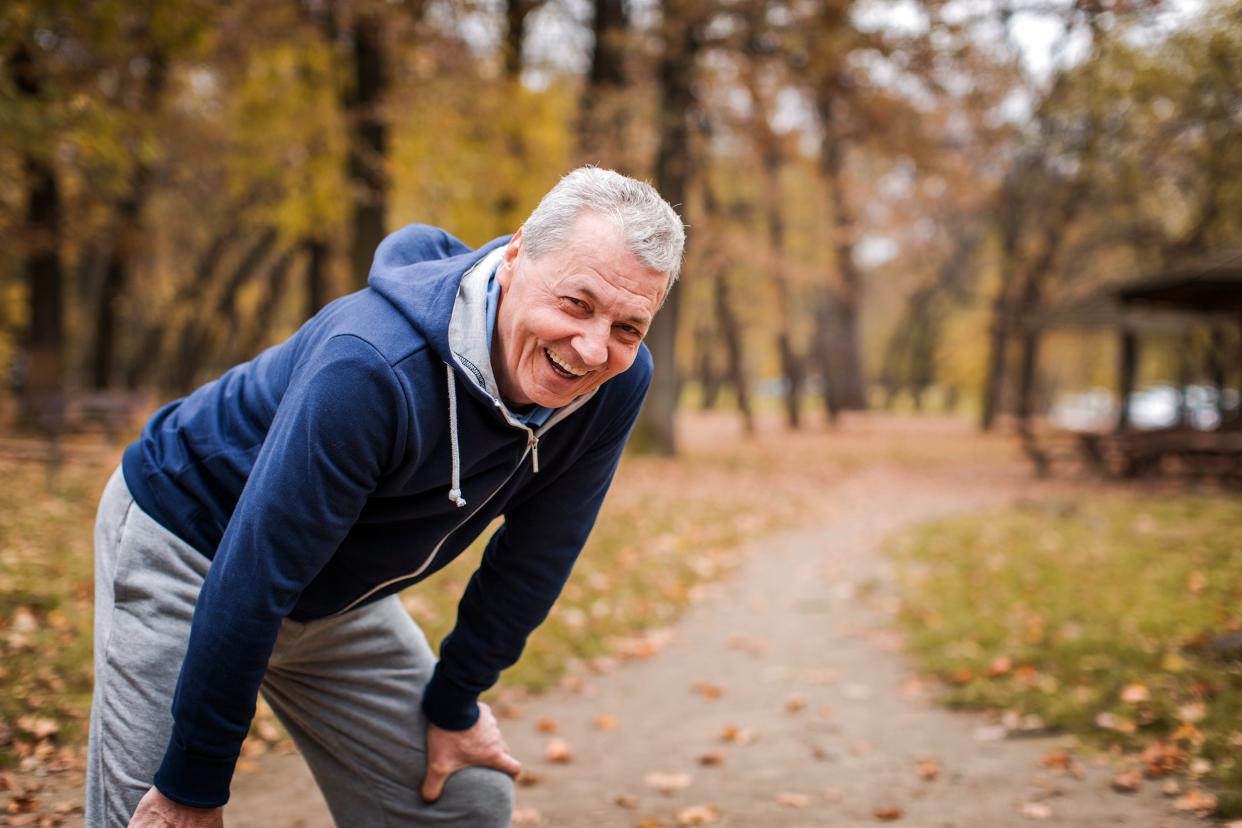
column 258, row 530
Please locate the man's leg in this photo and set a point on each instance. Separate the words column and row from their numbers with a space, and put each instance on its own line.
column 348, row 691
column 146, row 583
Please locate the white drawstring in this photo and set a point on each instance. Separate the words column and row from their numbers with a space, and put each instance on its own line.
column 455, row 492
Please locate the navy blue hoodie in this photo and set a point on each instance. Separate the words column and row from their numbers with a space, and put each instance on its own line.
column 317, row 478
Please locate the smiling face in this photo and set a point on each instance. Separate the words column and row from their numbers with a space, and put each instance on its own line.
column 573, row 318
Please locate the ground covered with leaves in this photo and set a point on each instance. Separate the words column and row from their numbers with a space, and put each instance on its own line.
column 1115, row 618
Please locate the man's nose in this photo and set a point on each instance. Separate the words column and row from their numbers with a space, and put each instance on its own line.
column 592, row 346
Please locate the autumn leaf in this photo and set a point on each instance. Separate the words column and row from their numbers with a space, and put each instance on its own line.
column 929, row 770
column 546, row 725
column 526, row 816
column 1135, row 694
column 795, row 702
column 667, row 783
column 1000, row 666
column 559, row 751
column 793, row 800
column 737, row 735
column 38, row 727
column 1196, row 800
column 1127, row 782
column 605, row 722
column 698, row 815
column 625, row 800
column 888, row 813
column 712, row 758
column 529, row 778
column 707, row 690
column 1171, row 788
column 1035, row 810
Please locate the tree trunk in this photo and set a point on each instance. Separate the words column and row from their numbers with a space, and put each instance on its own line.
column 42, row 394
column 674, row 75
column 368, row 142
column 260, row 333
column 127, row 244
column 731, row 330
column 604, row 114
column 197, row 336
column 516, row 12
column 316, row 274
column 845, row 368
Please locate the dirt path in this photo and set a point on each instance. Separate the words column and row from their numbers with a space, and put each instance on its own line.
column 804, row 624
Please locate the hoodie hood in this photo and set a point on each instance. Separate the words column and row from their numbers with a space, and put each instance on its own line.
column 419, row 269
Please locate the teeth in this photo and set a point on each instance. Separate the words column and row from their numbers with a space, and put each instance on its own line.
column 562, row 365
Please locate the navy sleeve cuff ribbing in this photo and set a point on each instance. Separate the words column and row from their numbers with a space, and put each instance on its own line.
column 192, row 779
column 448, row 707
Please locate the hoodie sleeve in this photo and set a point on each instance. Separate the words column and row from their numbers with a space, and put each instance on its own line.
column 335, row 429
column 523, row 570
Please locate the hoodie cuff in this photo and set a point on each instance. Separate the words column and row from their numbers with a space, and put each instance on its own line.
column 447, row 706
column 194, row 779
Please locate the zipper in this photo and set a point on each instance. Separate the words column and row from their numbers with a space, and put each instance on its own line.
column 435, row 551
column 532, row 448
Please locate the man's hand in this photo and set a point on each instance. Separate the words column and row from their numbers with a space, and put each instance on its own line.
column 158, row 811
column 448, row 751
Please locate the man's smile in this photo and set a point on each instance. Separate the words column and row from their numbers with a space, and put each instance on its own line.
column 561, row 368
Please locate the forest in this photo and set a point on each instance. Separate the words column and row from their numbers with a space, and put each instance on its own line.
column 879, row 194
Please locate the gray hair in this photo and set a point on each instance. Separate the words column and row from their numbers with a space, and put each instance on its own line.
column 652, row 229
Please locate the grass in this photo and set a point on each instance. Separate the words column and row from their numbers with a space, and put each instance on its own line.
column 1096, row 616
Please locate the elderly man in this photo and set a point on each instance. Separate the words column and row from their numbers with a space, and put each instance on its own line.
column 256, row 534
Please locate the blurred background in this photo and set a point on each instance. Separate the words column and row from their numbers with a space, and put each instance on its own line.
column 1002, row 236
column 892, row 204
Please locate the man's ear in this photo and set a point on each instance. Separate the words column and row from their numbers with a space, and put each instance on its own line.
column 509, row 261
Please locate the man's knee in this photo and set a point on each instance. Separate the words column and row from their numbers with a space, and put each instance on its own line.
column 483, row 795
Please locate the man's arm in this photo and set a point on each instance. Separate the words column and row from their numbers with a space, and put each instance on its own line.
column 332, row 435
column 523, row 570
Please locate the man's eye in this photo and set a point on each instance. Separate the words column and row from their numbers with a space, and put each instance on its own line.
column 630, row 330
column 577, row 303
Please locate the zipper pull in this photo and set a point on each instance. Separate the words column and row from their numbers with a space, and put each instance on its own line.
column 533, row 442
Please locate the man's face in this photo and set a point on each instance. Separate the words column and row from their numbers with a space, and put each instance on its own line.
column 573, row 318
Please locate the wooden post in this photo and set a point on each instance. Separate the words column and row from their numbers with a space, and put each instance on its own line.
column 1128, row 369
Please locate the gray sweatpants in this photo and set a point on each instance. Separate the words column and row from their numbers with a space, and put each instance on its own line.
column 346, row 688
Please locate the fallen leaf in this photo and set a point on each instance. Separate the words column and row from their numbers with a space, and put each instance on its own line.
column 1196, row 800
column 625, row 800
column 795, row 702
column 1110, row 721
column 605, row 722
column 707, row 690
column 1135, row 694
column 929, row 770
column 526, row 816
column 1127, row 782
column 37, row 726
column 546, row 725
column 1035, row 810
column 1000, row 667
column 1171, row 788
column 529, row 778
column 698, row 815
column 1196, row 582
column 1193, row 713
column 793, row 800
column 1160, row 758
column 737, row 735
column 22, row 803
column 667, row 783
column 1057, row 760
column 559, row 751
column 888, row 813
column 651, row 822
column 712, row 758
